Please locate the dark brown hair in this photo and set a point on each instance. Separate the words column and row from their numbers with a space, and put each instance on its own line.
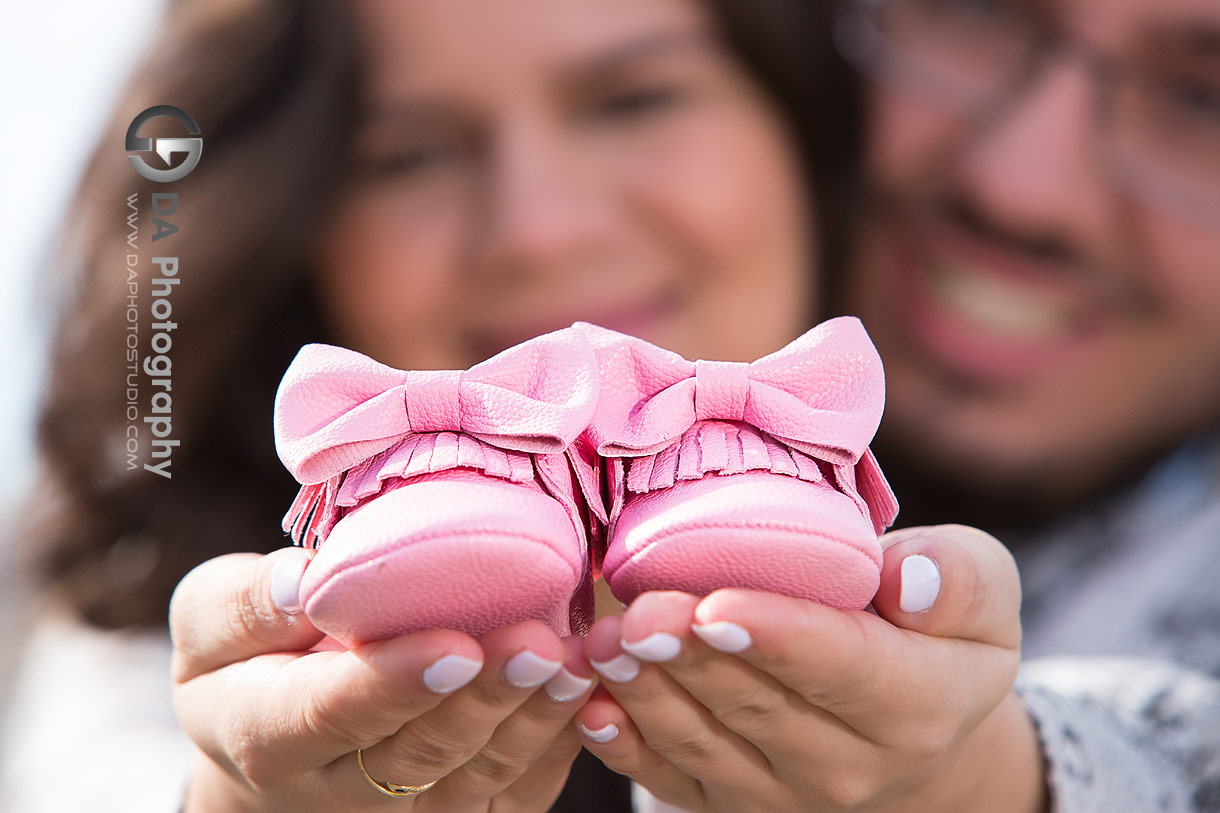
column 273, row 85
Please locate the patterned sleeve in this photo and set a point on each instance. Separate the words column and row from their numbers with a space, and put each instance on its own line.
column 1125, row 734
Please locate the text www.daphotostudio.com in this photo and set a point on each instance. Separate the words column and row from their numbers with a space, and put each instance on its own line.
column 157, row 364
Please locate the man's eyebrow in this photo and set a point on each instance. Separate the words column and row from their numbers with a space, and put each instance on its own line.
column 656, row 44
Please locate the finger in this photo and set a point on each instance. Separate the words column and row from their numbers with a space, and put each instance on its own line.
column 543, row 781
column 518, row 660
column 951, row 581
column 237, row 606
column 858, row 666
column 525, row 736
column 575, row 679
column 608, row 733
column 827, row 656
column 673, row 723
column 745, row 699
column 280, row 714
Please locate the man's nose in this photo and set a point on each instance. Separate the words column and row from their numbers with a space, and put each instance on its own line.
column 545, row 203
column 1036, row 165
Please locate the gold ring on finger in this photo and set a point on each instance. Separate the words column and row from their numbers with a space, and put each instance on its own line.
column 390, row 788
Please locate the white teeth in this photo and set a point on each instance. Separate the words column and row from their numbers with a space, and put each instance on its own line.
column 991, row 304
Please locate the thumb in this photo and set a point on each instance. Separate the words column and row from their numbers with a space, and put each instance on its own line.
column 951, row 581
column 234, row 607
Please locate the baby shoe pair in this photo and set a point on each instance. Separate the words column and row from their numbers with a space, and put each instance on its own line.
column 475, row 499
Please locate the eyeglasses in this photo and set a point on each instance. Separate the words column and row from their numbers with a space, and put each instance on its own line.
column 1157, row 112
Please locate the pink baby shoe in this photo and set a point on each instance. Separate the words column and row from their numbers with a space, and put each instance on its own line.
column 733, row 474
column 442, row 499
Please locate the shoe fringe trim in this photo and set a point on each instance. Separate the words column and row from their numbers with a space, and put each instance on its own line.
column 726, row 447
column 318, row 506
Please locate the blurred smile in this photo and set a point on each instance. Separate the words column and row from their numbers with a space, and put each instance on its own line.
column 986, row 314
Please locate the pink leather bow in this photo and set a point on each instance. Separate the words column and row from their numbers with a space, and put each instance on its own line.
column 336, row 408
column 823, row 394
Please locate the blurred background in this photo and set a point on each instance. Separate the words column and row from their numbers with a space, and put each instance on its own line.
column 984, row 244
column 60, row 74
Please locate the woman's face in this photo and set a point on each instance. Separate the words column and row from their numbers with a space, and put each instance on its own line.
column 524, row 165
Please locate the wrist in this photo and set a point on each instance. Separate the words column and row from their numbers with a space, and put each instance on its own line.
column 997, row 767
column 212, row 790
column 1002, row 764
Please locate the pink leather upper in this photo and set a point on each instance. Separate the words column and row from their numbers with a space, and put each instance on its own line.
column 336, row 408
column 823, row 394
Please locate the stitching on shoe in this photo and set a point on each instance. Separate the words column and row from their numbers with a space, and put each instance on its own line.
column 773, row 525
column 431, row 537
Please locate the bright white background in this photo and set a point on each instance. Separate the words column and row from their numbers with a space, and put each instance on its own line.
column 60, row 71
column 61, row 68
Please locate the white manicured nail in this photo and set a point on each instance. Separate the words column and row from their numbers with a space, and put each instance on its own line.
column 286, row 583
column 920, row 584
column 723, row 635
column 604, row 734
column 618, row 669
column 526, row 669
column 566, row 687
column 658, row 647
column 451, row 673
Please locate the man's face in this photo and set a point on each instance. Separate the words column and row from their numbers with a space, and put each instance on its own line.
column 1042, row 276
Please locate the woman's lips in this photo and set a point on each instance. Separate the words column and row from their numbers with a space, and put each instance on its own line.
column 636, row 321
column 640, row 319
column 986, row 317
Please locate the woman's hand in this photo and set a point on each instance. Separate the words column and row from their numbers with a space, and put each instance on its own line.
column 781, row 704
column 278, row 725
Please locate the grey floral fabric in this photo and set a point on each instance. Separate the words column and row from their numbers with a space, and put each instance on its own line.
column 1122, row 644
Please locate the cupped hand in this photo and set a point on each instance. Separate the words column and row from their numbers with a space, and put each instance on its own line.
column 751, row 701
column 278, row 725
